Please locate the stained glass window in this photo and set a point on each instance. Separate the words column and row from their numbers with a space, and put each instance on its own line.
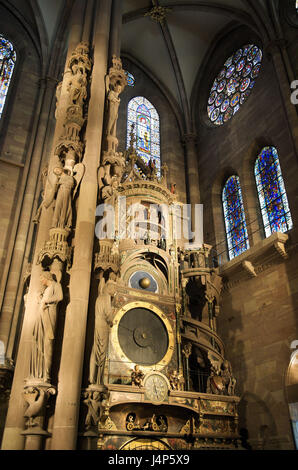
column 144, row 116
column 7, row 63
column 272, row 193
column 130, row 78
column 234, row 84
column 236, row 230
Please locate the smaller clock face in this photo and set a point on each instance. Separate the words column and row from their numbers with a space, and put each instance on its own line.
column 156, row 388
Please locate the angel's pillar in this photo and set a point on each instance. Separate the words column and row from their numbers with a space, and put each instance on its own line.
column 13, row 437
column 70, row 374
column 192, row 173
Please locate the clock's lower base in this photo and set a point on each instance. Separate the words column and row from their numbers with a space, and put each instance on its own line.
column 109, row 440
column 184, row 421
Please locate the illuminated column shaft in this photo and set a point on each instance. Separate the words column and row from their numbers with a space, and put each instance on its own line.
column 72, row 357
column 12, row 437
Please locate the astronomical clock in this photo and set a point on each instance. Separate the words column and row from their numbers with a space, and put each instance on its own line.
column 155, row 371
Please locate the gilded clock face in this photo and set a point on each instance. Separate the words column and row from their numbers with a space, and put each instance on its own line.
column 156, row 388
column 143, row 336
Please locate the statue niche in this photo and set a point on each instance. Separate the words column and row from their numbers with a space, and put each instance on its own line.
column 197, row 304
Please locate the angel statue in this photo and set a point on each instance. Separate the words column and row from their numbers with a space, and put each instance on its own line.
column 103, row 322
column 63, row 183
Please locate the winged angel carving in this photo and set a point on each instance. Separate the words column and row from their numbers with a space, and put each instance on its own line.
column 63, row 184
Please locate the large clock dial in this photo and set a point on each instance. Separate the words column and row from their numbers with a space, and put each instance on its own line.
column 143, row 336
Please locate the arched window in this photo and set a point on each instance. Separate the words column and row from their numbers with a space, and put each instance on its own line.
column 236, row 231
column 7, row 63
column 272, row 193
column 144, row 117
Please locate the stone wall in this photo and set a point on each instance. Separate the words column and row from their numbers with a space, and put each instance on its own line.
column 259, row 315
column 16, row 124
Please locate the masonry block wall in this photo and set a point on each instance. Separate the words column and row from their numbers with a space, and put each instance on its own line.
column 259, row 315
column 16, row 124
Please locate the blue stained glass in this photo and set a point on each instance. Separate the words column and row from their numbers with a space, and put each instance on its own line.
column 145, row 118
column 7, row 64
column 236, row 231
column 272, row 194
column 238, row 75
column 130, row 78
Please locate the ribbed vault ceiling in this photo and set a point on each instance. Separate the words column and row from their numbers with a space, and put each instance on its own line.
column 173, row 50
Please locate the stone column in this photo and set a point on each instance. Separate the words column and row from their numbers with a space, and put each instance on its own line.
column 90, row 4
column 15, row 421
column 116, row 26
column 70, row 377
column 192, row 173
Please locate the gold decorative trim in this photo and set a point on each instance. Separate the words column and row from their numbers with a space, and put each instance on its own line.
column 149, row 306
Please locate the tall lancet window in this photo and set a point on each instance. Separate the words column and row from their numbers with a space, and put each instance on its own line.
column 272, row 193
column 7, row 63
column 236, row 230
column 144, row 117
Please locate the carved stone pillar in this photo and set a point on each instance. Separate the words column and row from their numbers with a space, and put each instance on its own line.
column 116, row 26
column 36, row 396
column 192, row 173
column 190, row 141
column 13, row 439
column 69, row 391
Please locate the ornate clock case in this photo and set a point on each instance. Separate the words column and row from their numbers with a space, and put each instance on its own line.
column 164, row 376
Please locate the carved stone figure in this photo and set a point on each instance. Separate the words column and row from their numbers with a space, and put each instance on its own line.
column 77, row 85
column 44, row 328
column 229, row 380
column 63, row 208
column 174, row 380
column 105, row 421
column 221, row 380
column 79, row 65
column 93, row 402
column 103, row 322
column 113, row 106
column 63, row 184
column 36, row 398
column 137, row 376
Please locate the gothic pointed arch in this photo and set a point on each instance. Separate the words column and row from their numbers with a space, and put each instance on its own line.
column 272, row 194
column 234, row 215
column 143, row 118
